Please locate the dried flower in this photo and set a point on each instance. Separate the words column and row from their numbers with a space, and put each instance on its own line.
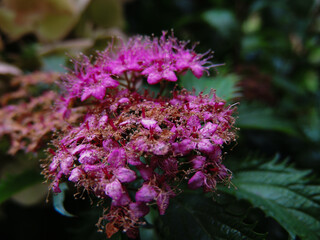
column 27, row 116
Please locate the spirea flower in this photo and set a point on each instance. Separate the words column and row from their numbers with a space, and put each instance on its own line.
column 159, row 141
column 26, row 116
column 135, row 149
column 138, row 59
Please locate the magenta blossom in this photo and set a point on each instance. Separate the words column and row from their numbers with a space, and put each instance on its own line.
column 156, row 60
column 145, row 139
column 134, row 149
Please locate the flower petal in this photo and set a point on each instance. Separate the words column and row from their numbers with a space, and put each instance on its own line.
column 146, row 193
column 138, row 209
column 197, row 180
column 125, row 175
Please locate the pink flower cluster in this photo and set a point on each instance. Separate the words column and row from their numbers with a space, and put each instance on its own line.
column 135, row 149
column 155, row 59
column 28, row 120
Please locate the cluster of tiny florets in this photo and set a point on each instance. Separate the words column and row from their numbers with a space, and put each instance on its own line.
column 26, row 116
column 135, row 149
column 156, row 60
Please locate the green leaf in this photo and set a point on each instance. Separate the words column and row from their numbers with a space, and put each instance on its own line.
column 252, row 24
column 194, row 216
column 310, row 81
column 262, row 118
column 314, row 56
column 311, row 124
column 58, row 200
column 16, row 183
column 222, row 20
column 283, row 193
column 225, row 86
column 148, row 231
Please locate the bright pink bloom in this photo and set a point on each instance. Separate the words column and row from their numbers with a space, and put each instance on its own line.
column 125, row 139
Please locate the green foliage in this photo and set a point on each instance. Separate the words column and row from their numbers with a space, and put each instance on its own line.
column 49, row 20
column 311, row 126
column 222, row 20
column 225, row 86
column 253, row 117
column 16, row 183
column 283, row 193
column 194, row 216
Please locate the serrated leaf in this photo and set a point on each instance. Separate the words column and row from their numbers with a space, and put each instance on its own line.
column 225, row 86
column 194, row 216
column 284, row 194
column 252, row 117
column 58, row 201
column 16, row 183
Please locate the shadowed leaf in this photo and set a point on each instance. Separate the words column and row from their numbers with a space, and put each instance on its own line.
column 58, row 200
column 283, row 193
column 197, row 217
column 16, row 183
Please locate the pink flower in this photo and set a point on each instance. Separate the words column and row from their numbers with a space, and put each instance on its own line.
column 160, row 71
column 66, row 165
column 125, row 139
column 198, row 162
column 78, row 149
column 157, row 59
column 146, row 193
column 145, row 171
column 88, row 157
column 151, row 124
column 160, row 148
column 125, row 175
column 75, row 175
column 163, row 198
column 117, row 158
column 138, row 209
column 197, row 180
column 115, row 190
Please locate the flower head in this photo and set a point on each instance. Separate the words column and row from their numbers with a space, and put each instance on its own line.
column 160, row 142
column 140, row 58
column 133, row 148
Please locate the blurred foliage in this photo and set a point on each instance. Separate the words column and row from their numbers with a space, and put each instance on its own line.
column 271, row 56
column 49, row 20
column 14, row 184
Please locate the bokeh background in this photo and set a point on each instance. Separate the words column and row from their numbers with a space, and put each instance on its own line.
column 270, row 51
